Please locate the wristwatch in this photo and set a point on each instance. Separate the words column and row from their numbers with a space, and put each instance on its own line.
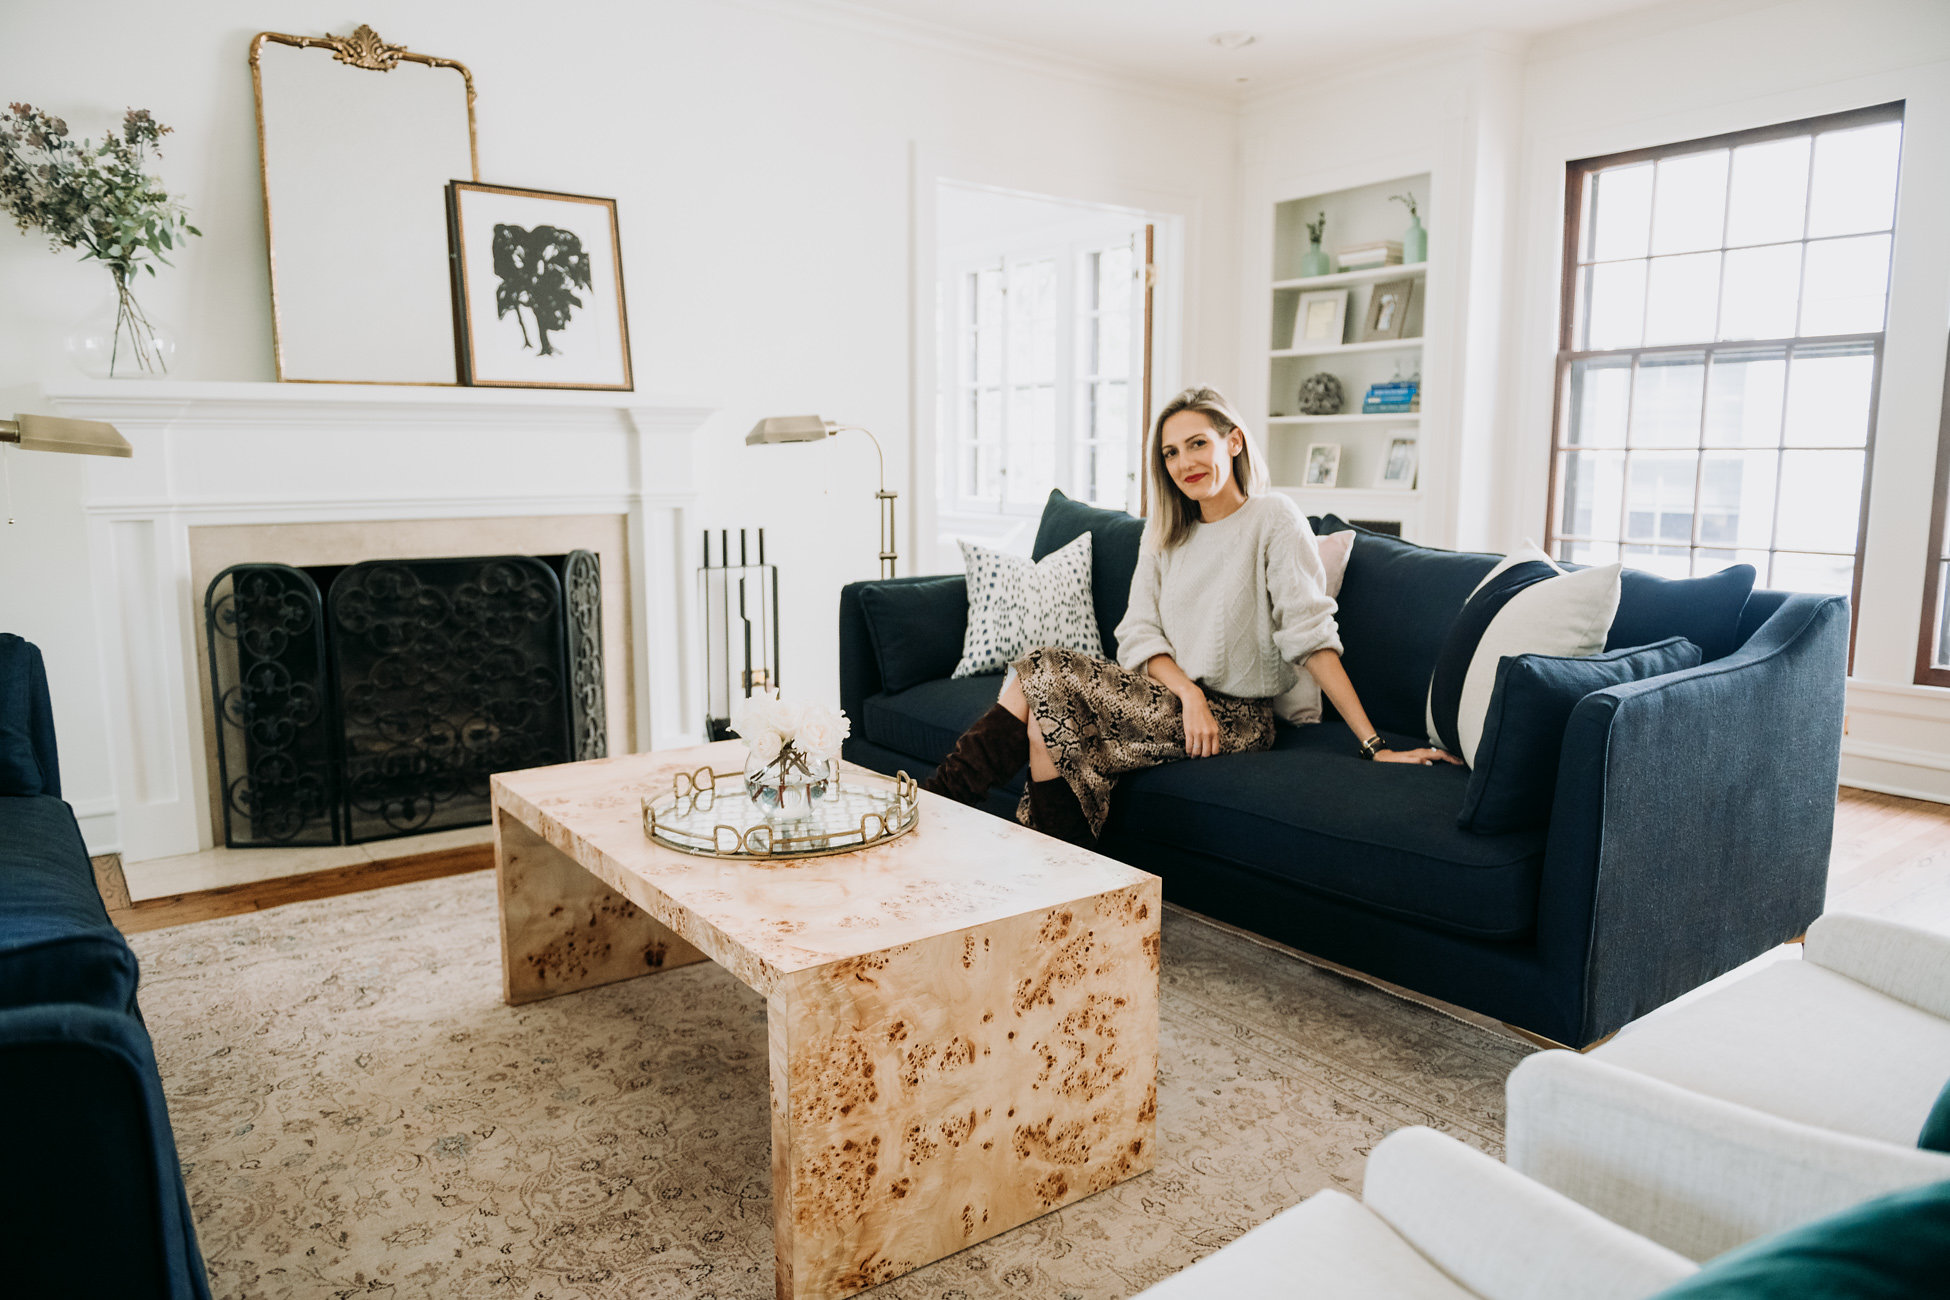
column 1371, row 746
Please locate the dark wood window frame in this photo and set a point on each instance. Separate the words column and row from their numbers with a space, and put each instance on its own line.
column 1575, row 176
column 1934, row 594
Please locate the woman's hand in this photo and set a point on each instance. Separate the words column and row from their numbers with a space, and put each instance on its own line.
column 1201, row 728
column 1422, row 756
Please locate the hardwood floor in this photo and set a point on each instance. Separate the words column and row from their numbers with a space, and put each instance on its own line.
column 1891, row 858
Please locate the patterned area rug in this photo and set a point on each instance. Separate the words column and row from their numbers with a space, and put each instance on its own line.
column 359, row 1114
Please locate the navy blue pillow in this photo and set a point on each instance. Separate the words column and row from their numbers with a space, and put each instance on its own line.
column 1396, row 604
column 27, row 757
column 1890, row 1248
column 1706, row 611
column 1936, row 1129
column 1515, row 778
column 916, row 628
column 1114, row 541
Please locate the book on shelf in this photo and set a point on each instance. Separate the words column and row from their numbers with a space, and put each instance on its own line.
column 1394, row 397
column 1390, row 408
column 1360, row 257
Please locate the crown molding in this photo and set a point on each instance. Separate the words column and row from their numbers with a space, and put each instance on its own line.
column 863, row 20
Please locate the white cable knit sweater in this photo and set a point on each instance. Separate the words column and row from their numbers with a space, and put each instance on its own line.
column 1238, row 604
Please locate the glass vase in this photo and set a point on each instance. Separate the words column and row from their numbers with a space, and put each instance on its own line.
column 1313, row 261
column 790, row 785
column 119, row 340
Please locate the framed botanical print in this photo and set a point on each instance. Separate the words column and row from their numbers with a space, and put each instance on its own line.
column 538, row 289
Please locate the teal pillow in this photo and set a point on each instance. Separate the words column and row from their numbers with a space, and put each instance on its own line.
column 1936, row 1129
column 1891, row 1248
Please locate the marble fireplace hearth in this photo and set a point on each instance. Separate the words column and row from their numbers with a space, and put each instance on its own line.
column 309, row 474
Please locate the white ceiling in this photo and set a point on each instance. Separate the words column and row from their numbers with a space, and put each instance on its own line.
column 1169, row 41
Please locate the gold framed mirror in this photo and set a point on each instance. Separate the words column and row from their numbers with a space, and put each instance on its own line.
column 357, row 140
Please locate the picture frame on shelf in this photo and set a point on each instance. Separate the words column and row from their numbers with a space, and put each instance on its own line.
column 1388, row 309
column 538, row 289
column 1399, row 465
column 1321, row 317
column 1323, row 464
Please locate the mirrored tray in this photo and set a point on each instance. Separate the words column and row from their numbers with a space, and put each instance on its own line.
column 709, row 813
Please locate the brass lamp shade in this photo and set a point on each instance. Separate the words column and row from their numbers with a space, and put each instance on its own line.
column 811, row 428
column 789, row 428
column 53, row 433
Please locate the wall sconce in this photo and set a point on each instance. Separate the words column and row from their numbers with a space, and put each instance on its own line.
column 53, row 433
column 810, row 428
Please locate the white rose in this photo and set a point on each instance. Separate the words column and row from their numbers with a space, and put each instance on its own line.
column 763, row 744
column 755, row 713
column 821, row 731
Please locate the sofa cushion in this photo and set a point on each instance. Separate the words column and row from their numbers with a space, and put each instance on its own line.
column 1016, row 605
column 27, row 757
column 1706, row 611
column 1514, row 777
column 1526, row 605
column 1114, row 539
column 1936, row 1126
column 925, row 721
column 1396, row 603
column 1308, row 811
column 1895, row 1245
column 56, row 941
column 916, row 628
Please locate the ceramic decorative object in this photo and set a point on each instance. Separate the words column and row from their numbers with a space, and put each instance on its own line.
column 1415, row 240
column 1314, row 261
column 1320, row 394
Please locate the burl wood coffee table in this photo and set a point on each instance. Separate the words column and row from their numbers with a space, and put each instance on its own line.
column 963, row 1022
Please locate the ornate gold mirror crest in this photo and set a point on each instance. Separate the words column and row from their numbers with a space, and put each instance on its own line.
column 355, row 171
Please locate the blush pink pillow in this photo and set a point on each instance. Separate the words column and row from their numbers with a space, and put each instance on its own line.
column 1334, row 550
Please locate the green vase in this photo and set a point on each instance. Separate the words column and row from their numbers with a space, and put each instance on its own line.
column 1313, row 261
column 1415, row 243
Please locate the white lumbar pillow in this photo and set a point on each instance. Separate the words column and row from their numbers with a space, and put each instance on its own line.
column 1016, row 605
column 1525, row 605
column 1300, row 702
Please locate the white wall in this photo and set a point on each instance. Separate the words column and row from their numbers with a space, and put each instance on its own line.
column 764, row 159
column 1497, row 121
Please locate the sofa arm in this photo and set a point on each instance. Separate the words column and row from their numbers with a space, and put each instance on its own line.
column 1907, row 963
column 89, row 1152
column 1698, row 1174
column 859, row 659
column 1693, row 819
column 1501, row 1234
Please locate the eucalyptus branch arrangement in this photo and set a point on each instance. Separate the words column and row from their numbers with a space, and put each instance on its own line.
column 1316, row 228
column 1408, row 201
column 99, row 198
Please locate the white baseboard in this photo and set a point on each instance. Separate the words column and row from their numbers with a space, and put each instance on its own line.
column 1896, row 769
column 101, row 827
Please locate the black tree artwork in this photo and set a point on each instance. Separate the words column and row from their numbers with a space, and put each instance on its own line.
column 538, row 269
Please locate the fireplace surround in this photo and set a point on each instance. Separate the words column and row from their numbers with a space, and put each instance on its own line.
column 307, row 474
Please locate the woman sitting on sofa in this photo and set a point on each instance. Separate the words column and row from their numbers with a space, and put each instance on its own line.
column 1228, row 609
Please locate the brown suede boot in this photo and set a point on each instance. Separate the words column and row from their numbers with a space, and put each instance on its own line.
column 992, row 750
column 1054, row 810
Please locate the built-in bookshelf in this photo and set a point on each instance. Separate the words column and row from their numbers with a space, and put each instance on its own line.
column 1359, row 215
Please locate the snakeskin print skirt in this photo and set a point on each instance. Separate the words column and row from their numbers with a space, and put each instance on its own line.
column 1100, row 721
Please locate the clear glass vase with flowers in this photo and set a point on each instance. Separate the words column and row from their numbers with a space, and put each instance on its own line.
column 792, row 754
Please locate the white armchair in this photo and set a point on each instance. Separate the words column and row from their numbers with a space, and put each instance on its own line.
column 1780, row 1097
column 1438, row 1221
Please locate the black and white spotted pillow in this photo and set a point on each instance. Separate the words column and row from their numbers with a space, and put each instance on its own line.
column 1016, row 605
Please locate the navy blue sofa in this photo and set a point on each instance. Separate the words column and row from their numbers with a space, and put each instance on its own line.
column 1689, row 830
column 91, row 1195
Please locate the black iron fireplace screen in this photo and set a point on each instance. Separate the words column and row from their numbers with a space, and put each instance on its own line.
column 374, row 700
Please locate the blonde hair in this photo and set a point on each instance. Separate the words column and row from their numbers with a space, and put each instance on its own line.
column 1172, row 512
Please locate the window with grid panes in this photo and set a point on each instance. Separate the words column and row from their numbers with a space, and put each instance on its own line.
column 1043, row 357
column 1933, row 638
column 1722, row 340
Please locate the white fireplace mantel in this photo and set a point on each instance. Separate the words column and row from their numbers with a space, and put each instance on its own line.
column 262, row 453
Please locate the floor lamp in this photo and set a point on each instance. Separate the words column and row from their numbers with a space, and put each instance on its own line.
column 810, row 428
column 52, row 433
